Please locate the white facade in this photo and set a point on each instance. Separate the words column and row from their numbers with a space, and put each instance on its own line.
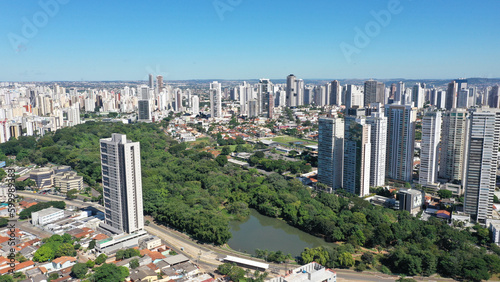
column 378, row 124
column 215, row 99
column 122, row 183
column 431, row 134
column 331, row 151
column 481, row 162
column 46, row 216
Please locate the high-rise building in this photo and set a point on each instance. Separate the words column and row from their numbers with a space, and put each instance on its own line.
column 195, row 105
column 354, row 96
column 159, row 83
column 453, row 141
column 399, row 93
column 400, row 141
column 265, row 89
column 215, row 99
column 493, row 97
column 374, row 92
column 357, row 153
column 431, row 134
column 378, row 139
column 299, row 89
column 291, row 91
column 418, row 95
column 331, row 151
column 122, row 184
column 481, row 162
column 151, row 81
column 336, row 93
column 451, row 95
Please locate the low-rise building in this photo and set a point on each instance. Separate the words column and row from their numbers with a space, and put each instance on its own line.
column 68, row 180
column 410, row 200
column 46, row 216
column 42, row 177
column 309, row 272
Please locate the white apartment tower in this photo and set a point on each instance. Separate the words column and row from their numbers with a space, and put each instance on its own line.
column 431, row 134
column 453, row 142
column 215, row 99
column 122, row 183
column 378, row 123
column 357, row 153
column 481, row 162
column 400, row 141
column 331, row 151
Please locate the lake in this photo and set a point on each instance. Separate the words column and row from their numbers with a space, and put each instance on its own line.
column 262, row 232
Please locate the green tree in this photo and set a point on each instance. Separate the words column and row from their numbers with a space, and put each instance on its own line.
column 79, row 270
column 101, row 259
column 110, row 273
column 367, row 258
column 90, row 263
column 53, row 276
column 346, row 259
column 221, row 160
column 226, row 150
column 44, row 253
column 134, row 263
column 445, row 194
column 92, row 244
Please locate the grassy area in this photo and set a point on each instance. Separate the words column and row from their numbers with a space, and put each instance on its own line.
column 287, row 139
column 200, row 140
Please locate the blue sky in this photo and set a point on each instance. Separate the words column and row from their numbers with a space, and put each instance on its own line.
column 245, row 39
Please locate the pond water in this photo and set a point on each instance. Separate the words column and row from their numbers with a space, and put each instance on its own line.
column 262, row 232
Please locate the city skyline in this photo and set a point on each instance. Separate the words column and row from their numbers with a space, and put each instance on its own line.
column 73, row 41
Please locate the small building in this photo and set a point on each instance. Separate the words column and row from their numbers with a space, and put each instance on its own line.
column 174, row 260
column 494, row 226
column 247, row 263
column 149, row 242
column 68, row 180
column 310, row 272
column 456, row 189
column 122, row 241
column 46, row 216
column 42, row 177
column 410, row 200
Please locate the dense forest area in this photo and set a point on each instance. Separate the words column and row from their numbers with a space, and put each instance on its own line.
column 188, row 189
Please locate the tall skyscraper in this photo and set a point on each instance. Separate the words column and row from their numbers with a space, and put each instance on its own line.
column 451, row 95
column 265, row 89
column 378, row 139
column 354, row 96
column 336, row 93
column 431, row 134
column 399, row 93
column 144, row 105
column 151, row 81
column 331, row 151
column 159, row 83
column 291, row 91
column 453, row 141
column 215, row 99
column 481, row 163
column 299, row 89
column 374, row 92
column 357, row 153
column 493, row 97
column 400, row 141
column 122, row 183
column 418, row 96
